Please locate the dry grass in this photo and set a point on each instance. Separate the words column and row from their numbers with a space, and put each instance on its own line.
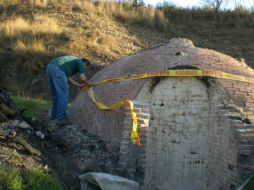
column 34, row 3
column 45, row 25
column 36, row 46
column 40, row 25
column 42, row 3
column 29, row 36
column 13, row 27
column 29, row 40
column 109, row 39
column 142, row 16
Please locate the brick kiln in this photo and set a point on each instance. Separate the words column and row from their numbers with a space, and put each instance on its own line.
column 196, row 133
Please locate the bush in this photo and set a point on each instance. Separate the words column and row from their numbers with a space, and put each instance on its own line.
column 38, row 180
column 33, row 107
column 126, row 12
column 11, row 179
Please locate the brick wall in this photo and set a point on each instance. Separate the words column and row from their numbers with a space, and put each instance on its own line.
column 236, row 135
column 132, row 160
column 218, row 159
column 224, row 172
column 106, row 124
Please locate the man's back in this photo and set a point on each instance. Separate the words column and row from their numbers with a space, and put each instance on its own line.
column 69, row 64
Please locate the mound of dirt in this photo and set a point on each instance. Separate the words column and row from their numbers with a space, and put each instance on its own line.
column 66, row 152
column 72, row 151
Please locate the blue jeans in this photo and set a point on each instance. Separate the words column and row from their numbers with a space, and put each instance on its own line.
column 59, row 91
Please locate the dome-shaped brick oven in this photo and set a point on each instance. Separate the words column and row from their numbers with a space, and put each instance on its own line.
column 196, row 133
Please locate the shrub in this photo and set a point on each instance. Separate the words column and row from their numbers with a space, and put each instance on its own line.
column 38, row 180
column 36, row 46
column 126, row 12
column 10, row 178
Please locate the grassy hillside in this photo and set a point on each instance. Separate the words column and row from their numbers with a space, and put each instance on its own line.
column 34, row 31
column 32, row 34
column 230, row 32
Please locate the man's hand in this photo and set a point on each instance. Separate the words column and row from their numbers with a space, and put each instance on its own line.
column 85, row 86
column 73, row 82
column 83, row 78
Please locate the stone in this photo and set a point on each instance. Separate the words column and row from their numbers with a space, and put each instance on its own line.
column 22, row 124
column 40, row 134
column 103, row 181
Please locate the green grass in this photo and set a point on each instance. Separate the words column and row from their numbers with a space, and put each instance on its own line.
column 38, row 180
column 33, row 107
column 11, row 179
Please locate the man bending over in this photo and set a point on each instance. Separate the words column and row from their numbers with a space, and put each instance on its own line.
column 59, row 72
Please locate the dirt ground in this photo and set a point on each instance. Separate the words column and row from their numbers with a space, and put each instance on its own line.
column 66, row 152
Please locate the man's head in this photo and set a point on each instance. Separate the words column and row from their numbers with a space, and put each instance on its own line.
column 86, row 61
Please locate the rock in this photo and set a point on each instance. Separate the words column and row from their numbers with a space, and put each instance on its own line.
column 86, row 165
column 22, row 124
column 15, row 124
column 40, row 134
column 6, row 132
column 103, row 181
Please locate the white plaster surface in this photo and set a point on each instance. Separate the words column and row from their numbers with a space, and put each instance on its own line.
column 177, row 149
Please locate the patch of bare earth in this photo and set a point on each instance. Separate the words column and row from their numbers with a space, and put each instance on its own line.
column 66, row 152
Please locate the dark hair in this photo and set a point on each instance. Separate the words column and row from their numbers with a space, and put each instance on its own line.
column 86, row 61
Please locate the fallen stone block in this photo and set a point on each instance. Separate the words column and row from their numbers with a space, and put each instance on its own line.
column 103, row 181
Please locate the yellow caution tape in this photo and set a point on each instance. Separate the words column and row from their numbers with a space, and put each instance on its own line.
column 164, row 73
column 178, row 73
column 134, row 134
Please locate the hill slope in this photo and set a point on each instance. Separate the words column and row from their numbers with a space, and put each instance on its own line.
column 229, row 31
column 32, row 35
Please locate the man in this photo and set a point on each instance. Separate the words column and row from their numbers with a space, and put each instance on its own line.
column 59, row 72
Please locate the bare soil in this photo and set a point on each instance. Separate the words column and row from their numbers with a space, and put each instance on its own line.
column 66, row 152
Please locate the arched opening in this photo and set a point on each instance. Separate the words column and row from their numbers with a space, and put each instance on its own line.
column 178, row 139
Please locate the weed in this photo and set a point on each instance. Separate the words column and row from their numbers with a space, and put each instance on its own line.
column 38, row 180
column 41, row 24
column 10, row 178
column 125, row 12
column 33, row 107
column 36, row 46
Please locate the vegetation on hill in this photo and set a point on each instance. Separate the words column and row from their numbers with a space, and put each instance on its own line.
column 228, row 31
column 32, row 108
column 12, row 178
column 33, row 32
